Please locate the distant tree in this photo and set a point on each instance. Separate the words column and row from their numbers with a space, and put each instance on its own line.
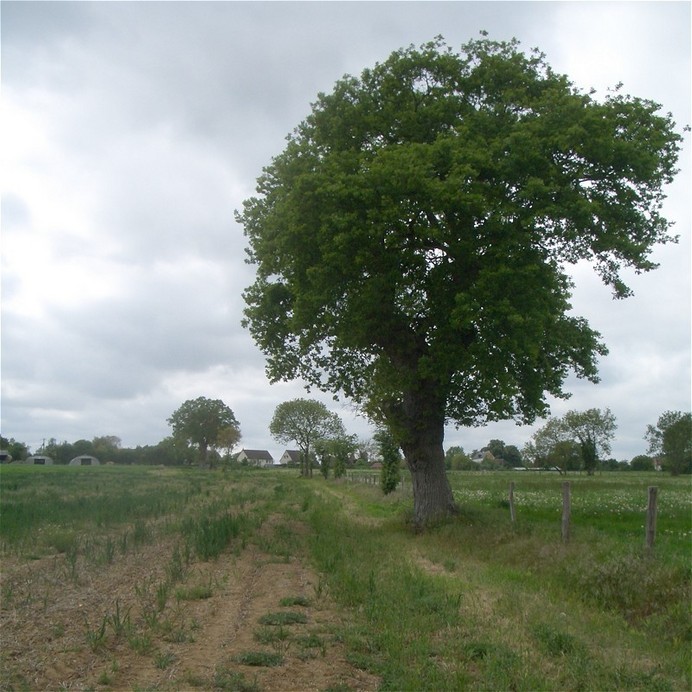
column 228, row 438
column 512, row 456
column 324, row 456
column 490, row 463
column 677, row 445
column 390, row 474
column 334, row 453
column 200, row 421
column 543, row 443
column 106, row 447
column 82, row 448
column 452, row 451
column 17, row 450
column 413, row 240
column 63, row 452
column 305, row 422
column 575, row 440
column 176, row 451
column 496, row 448
column 457, row 460
column 671, row 437
column 610, row 464
column 508, row 454
column 642, row 462
column 593, row 429
column 565, row 455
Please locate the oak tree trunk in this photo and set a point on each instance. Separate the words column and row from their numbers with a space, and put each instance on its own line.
column 424, row 453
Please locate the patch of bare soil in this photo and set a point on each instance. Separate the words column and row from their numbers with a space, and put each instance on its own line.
column 125, row 626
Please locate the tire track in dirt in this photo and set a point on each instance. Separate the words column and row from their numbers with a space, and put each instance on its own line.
column 246, row 587
column 46, row 616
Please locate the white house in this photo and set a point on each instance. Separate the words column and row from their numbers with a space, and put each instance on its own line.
column 290, row 457
column 256, row 457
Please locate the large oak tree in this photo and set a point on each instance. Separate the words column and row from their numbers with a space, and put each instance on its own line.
column 413, row 238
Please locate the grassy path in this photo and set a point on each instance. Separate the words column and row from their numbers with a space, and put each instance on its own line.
column 455, row 609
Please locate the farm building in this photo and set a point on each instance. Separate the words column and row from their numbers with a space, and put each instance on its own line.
column 256, row 457
column 40, row 459
column 85, row 460
column 5, row 457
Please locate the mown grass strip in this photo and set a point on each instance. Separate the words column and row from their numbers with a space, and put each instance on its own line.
column 508, row 616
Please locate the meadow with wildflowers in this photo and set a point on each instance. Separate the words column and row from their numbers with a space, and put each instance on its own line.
column 609, row 506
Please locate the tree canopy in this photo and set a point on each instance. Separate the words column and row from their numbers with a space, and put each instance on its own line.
column 205, row 423
column 577, row 440
column 305, row 422
column 671, row 438
column 412, row 241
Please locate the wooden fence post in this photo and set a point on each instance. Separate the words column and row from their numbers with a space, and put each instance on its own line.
column 651, row 517
column 512, row 514
column 566, row 511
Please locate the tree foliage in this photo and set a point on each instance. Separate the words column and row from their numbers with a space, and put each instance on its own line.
column 228, row 438
column 305, row 422
column 642, row 462
column 390, row 474
column 593, row 430
column 671, row 438
column 457, row 460
column 577, row 440
column 412, row 240
column 334, row 454
column 17, row 450
column 508, row 454
column 200, row 422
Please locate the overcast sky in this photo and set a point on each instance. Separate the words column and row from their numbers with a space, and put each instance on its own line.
column 132, row 131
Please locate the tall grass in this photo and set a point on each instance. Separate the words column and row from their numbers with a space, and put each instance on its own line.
column 479, row 603
column 86, row 498
column 209, row 536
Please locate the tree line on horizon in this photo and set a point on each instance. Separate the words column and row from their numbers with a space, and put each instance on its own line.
column 205, row 432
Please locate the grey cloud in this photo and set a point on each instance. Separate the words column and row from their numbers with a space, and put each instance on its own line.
column 159, row 116
column 15, row 212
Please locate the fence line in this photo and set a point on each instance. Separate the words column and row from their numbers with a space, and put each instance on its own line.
column 565, row 526
column 651, row 518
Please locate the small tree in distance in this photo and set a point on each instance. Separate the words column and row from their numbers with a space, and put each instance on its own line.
column 671, row 437
column 305, row 422
column 391, row 460
column 200, row 422
column 593, row 429
column 334, row 454
column 642, row 462
column 577, row 440
column 228, row 438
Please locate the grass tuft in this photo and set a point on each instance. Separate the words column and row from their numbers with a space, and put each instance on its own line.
column 283, row 618
column 264, row 659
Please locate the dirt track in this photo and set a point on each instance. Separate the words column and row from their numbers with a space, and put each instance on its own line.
column 50, row 618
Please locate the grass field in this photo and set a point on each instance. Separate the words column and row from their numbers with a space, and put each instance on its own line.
column 151, row 578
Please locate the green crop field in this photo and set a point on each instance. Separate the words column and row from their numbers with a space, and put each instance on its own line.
column 112, row 568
